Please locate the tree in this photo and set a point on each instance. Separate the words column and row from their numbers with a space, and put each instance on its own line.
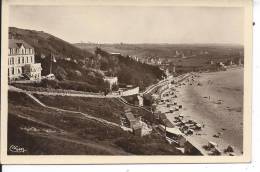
column 115, row 87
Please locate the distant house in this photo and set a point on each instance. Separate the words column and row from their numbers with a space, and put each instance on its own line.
column 222, row 66
column 229, row 62
column 21, row 61
column 115, row 53
column 140, row 100
column 239, row 61
column 130, row 119
column 68, row 59
column 172, row 69
column 137, row 129
column 51, row 76
column 111, row 80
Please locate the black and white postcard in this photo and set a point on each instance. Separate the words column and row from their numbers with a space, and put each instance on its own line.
column 102, row 82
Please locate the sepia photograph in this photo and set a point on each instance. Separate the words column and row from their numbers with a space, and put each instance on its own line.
column 126, row 81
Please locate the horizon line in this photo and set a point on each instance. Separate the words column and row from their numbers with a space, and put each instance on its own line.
column 131, row 43
column 165, row 43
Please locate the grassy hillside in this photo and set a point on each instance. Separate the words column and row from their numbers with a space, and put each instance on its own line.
column 43, row 131
column 195, row 54
column 83, row 69
column 45, row 43
column 129, row 71
column 109, row 109
column 71, row 74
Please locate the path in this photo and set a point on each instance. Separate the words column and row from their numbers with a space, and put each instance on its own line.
column 12, row 88
column 70, row 111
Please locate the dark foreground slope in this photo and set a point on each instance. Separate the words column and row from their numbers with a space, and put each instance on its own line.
column 42, row 131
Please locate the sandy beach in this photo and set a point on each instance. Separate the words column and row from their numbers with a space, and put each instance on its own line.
column 216, row 100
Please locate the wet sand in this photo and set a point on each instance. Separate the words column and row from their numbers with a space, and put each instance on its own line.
column 216, row 100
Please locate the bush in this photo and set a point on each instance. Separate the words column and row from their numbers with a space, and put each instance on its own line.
column 115, row 87
column 49, row 84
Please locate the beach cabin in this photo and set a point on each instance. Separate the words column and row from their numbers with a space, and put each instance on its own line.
column 130, row 119
column 137, row 129
column 173, row 135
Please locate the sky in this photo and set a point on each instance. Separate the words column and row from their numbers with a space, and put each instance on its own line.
column 133, row 24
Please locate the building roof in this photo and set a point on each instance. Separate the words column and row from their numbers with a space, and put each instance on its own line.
column 130, row 116
column 127, row 110
column 110, row 78
column 137, row 125
column 15, row 43
column 175, row 131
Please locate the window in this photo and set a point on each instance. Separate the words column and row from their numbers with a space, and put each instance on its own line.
column 19, row 60
column 27, row 59
column 12, row 71
column 31, row 59
column 22, row 59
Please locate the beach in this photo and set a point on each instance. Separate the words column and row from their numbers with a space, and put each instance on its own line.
column 214, row 100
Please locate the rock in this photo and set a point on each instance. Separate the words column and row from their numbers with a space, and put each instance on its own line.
column 220, row 133
column 216, row 136
column 229, row 149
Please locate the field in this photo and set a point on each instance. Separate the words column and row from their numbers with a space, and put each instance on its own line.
column 43, row 131
column 195, row 54
column 185, row 57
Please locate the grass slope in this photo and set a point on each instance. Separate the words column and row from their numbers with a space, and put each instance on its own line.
column 45, row 43
column 47, row 132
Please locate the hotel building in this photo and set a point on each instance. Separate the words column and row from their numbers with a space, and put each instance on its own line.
column 21, row 61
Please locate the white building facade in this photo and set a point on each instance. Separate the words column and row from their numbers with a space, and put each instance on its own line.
column 21, row 61
column 111, row 81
